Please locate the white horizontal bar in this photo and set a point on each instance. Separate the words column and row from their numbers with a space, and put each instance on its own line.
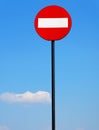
column 52, row 22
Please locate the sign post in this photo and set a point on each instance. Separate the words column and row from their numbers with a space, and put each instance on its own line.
column 53, row 83
column 53, row 23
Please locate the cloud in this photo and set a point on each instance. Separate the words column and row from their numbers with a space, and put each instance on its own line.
column 27, row 97
column 3, row 127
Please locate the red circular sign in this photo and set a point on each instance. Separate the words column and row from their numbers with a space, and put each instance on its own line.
column 53, row 23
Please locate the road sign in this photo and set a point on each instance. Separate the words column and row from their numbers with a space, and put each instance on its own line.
column 53, row 23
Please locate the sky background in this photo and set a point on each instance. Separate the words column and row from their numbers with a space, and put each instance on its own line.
column 25, row 68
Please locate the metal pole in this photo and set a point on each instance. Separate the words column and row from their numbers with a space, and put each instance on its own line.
column 53, row 83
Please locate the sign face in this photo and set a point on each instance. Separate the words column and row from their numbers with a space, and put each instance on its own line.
column 53, row 23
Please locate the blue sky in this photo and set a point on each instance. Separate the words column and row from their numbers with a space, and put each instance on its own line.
column 25, row 68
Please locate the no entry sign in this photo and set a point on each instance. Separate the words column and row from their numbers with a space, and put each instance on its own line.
column 53, row 23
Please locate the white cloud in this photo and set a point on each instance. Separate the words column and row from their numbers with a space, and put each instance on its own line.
column 3, row 127
column 27, row 97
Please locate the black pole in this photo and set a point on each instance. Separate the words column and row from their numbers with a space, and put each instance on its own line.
column 53, row 83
